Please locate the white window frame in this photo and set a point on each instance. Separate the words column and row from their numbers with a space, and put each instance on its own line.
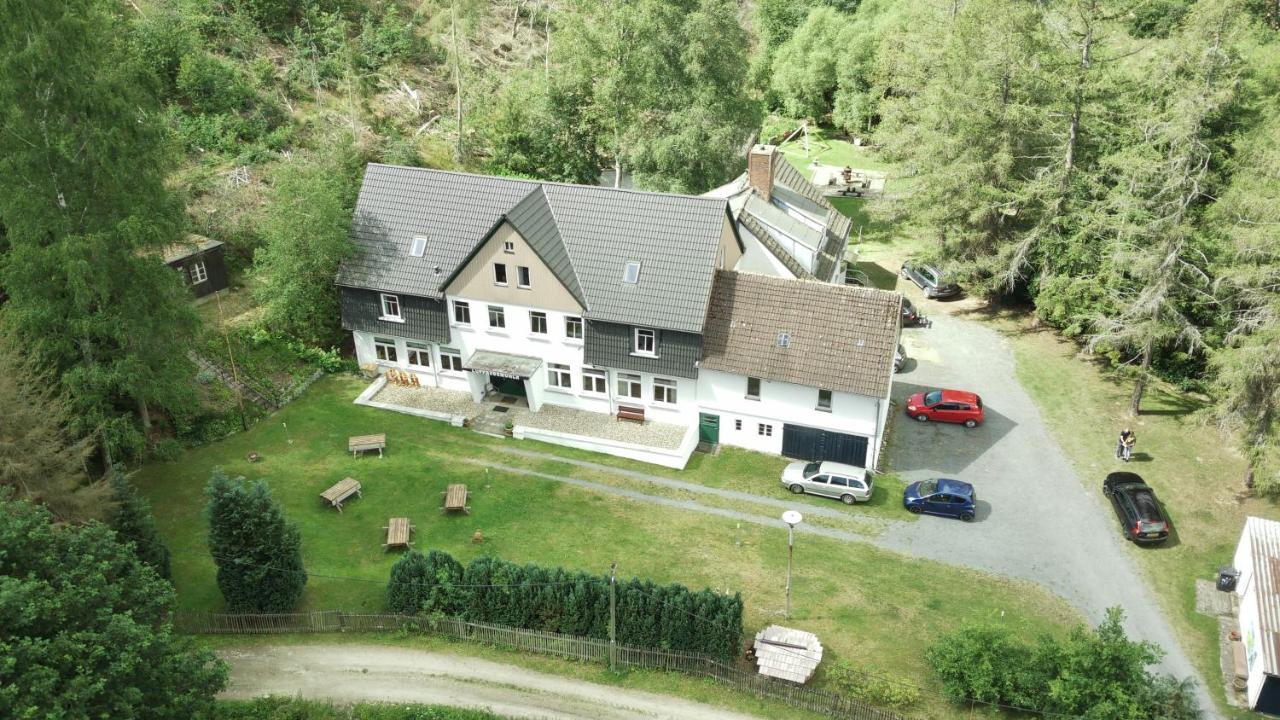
column 630, row 381
column 571, row 321
column 388, row 302
column 595, row 381
column 764, row 429
column 419, row 246
column 631, row 272
column 509, row 247
column 665, row 391
column 759, row 388
column 417, row 352
column 465, row 307
column 536, row 318
column 559, row 376
column 505, row 277
column 825, row 407
column 523, row 277
column 199, row 273
column 651, row 335
column 386, row 351
column 500, row 313
column 450, row 360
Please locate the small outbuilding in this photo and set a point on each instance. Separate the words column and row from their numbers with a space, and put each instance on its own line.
column 787, row 653
column 1257, row 560
column 201, row 263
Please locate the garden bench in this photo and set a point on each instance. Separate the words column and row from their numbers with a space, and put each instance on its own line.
column 630, row 412
column 398, row 531
column 361, row 443
column 342, row 490
column 455, row 498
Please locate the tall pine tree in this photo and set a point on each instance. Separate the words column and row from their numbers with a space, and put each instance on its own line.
column 257, row 550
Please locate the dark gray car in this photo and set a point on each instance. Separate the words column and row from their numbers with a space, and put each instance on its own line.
column 930, row 279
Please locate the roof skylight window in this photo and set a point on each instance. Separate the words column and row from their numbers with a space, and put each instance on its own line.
column 419, row 247
column 631, row 273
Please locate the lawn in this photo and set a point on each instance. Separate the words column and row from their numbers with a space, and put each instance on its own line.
column 1193, row 469
column 874, row 608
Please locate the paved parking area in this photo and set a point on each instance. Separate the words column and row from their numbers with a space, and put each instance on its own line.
column 1035, row 518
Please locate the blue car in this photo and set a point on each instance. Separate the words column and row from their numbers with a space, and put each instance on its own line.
column 952, row 498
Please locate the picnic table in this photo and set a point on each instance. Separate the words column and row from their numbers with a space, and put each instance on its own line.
column 360, row 443
column 455, row 498
column 341, row 490
column 398, row 530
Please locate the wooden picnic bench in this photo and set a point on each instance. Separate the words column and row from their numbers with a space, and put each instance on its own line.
column 630, row 412
column 455, row 498
column 360, row 443
column 341, row 490
column 398, row 531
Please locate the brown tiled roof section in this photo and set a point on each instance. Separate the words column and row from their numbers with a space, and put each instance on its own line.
column 839, row 338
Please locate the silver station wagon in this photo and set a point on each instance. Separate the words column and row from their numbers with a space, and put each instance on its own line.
column 848, row 483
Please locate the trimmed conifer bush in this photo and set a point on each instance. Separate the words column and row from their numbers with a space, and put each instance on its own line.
column 133, row 521
column 257, row 550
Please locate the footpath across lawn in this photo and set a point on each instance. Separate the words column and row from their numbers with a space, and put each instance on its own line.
column 876, row 609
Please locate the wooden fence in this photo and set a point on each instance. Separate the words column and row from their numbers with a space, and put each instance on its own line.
column 545, row 643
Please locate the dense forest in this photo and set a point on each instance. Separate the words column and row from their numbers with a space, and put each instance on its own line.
column 1115, row 164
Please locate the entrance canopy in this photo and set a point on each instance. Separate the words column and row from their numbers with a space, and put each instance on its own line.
column 503, row 365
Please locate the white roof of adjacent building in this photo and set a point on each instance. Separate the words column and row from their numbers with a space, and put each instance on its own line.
column 1263, row 537
column 787, row 653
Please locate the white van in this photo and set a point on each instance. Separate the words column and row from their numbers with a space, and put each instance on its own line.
column 831, row 479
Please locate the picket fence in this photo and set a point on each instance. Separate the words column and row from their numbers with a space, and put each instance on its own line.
column 545, row 643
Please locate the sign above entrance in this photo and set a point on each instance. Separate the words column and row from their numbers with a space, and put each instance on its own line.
column 503, row 365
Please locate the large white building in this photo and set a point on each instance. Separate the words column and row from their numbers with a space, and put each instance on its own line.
column 613, row 301
column 1257, row 559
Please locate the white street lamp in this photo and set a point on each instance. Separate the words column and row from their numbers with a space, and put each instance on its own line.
column 792, row 519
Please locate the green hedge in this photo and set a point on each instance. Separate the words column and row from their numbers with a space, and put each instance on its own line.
column 668, row 617
column 280, row 708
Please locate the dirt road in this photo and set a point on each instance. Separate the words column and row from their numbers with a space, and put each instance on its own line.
column 369, row 673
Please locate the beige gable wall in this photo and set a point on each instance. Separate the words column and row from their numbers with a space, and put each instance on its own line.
column 544, row 291
column 729, row 252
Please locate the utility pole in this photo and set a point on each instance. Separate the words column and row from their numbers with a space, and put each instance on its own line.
column 613, row 616
column 791, row 518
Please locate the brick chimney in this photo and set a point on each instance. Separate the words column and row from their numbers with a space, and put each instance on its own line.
column 760, row 169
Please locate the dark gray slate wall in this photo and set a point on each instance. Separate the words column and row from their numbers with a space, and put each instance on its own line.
column 424, row 318
column 609, row 345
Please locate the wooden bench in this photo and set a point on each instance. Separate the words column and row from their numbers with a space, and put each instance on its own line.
column 362, row 443
column 630, row 412
column 1241, row 666
column 398, row 530
column 342, row 490
column 455, row 498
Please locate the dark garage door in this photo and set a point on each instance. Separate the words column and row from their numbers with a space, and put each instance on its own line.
column 806, row 443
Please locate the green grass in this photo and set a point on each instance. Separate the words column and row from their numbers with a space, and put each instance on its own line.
column 870, row 606
column 1194, row 471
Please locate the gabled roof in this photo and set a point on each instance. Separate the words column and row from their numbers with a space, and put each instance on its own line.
column 837, row 337
column 585, row 234
column 192, row 245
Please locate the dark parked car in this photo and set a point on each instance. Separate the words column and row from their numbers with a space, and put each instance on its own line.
column 957, row 406
column 899, row 358
column 910, row 316
column 942, row 496
column 930, row 279
column 1135, row 504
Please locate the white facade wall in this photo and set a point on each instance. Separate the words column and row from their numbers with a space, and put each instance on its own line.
column 725, row 394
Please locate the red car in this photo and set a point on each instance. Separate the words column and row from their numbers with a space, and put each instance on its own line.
column 955, row 406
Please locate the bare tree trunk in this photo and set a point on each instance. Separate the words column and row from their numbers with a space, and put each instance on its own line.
column 1140, row 387
column 144, row 413
column 1077, row 106
column 546, row 56
column 457, row 74
column 617, row 171
column 1248, row 472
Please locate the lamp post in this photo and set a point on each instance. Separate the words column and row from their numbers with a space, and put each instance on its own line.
column 792, row 519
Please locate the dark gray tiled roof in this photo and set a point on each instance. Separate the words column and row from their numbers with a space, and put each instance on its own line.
column 674, row 237
column 533, row 219
column 453, row 210
column 839, row 338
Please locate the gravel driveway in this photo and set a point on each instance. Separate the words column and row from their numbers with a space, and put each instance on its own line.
column 370, row 673
column 1035, row 519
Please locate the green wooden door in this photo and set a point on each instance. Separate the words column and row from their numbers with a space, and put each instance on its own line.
column 708, row 428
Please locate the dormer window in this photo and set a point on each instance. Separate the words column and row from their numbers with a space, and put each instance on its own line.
column 631, row 273
column 419, row 247
column 646, row 342
column 391, row 308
